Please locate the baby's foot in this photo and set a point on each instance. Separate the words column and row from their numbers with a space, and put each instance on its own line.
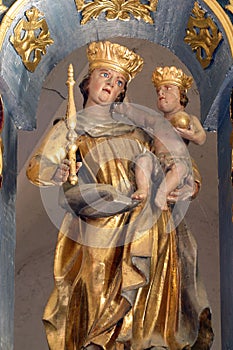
column 140, row 194
column 161, row 200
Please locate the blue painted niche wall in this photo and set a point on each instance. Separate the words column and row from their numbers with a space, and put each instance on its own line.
column 21, row 88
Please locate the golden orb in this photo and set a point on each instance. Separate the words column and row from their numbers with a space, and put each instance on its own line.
column 181, row 120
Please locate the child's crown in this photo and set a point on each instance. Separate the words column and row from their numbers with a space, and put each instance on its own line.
column 171, row 75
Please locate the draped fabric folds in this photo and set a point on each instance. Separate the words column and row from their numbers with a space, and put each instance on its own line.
column 124, row 281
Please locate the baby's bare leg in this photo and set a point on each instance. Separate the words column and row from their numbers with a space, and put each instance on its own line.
column 172, row 180
column 143, row 170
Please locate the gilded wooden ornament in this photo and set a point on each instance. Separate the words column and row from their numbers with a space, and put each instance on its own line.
column 116, row 9
column 181, row 120
column 202, row 35
column 114, row 56
column 171, row 75
column 3, row 8
column 229, row 7
column 31, row 37
column 71, row 124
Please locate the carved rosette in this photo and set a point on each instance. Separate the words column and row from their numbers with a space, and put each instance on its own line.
column 202, row 35
column 31, row 37
column 116, row 9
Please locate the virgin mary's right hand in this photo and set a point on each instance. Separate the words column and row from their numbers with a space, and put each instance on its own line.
column 62, row 173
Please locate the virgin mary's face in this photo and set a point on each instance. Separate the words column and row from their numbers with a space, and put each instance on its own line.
column 104, row 87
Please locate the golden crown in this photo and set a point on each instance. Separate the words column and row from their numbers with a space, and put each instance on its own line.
column 171, row 75
column 114, row 56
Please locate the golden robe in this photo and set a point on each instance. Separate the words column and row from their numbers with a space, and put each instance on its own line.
column 124, row 281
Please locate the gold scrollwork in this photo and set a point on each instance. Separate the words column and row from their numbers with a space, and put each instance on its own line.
column 31, row 38
column 116, row 9
column 229, row 7
column 202, row 35
column 3, row 8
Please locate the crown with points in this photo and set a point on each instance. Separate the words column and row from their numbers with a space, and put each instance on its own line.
column 171, row 75
column 114, row 56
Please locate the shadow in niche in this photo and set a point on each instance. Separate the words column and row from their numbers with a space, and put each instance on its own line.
column 36, row 234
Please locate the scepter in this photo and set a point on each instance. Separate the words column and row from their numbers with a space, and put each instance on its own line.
column 71, row 124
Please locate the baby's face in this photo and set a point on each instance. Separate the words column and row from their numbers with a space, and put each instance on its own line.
column 168, row 98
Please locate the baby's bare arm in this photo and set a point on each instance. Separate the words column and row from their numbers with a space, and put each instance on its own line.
column 139, row 115
column 195, row 133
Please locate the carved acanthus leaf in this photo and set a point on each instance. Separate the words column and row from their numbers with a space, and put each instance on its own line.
column 116, row 9
column 3, row 8
column 202, row 35
column 229, row 7
column 31, row 37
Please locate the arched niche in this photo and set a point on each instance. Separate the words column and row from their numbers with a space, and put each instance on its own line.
column 21, row 89
column 34, row 260
column 168, row 30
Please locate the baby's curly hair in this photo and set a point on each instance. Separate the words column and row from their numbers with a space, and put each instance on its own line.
column 183, row 98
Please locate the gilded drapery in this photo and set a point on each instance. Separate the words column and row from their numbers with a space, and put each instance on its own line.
column 125, row 280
